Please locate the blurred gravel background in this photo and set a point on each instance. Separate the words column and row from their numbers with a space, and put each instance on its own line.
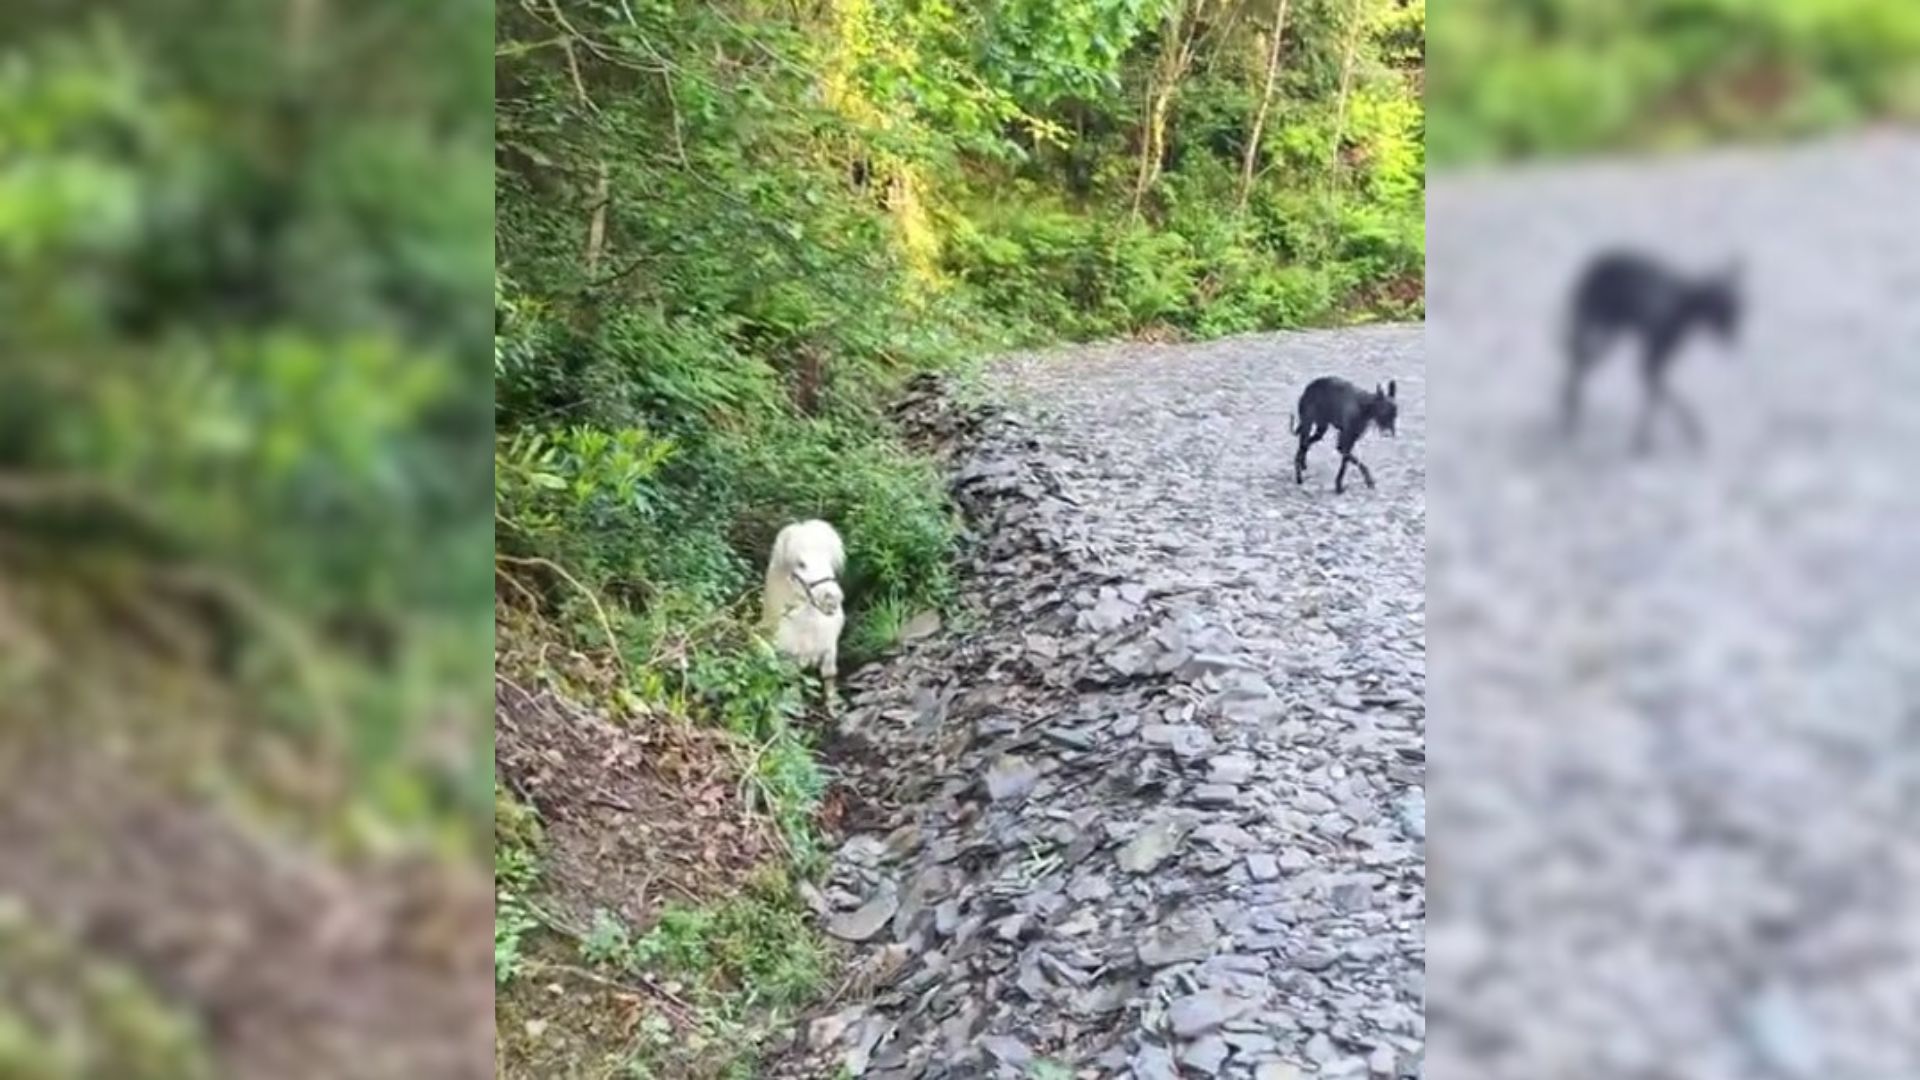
column 1677, row 699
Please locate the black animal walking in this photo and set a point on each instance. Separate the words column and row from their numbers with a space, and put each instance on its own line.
column 1623, row 293
column 1331, row 402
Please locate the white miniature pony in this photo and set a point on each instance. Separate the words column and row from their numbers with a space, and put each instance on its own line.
column 801, row 607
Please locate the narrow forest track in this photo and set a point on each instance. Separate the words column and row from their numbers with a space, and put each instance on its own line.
column 1156, row 807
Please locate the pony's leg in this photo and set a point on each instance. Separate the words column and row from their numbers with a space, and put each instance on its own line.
column 1340, row 478
column 829, row 669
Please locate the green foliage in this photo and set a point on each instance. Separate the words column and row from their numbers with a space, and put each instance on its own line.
column 68, row 1015
column 1045, row 53
column 755, row 694
column 516, row 871
column 1052, row 245
column 756, row 948
column 878, row 629
column 237, row 290
column 512, row 921
column 1532, row 77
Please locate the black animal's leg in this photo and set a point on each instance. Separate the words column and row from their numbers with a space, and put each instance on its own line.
column 1309, row 434
column 1688, row 421
column 1584, row 344
column 1570, row 399
column 1346, row 445
column 1365, row 473
column 1643, row 429
column 1340, row 478
column 1662, row 392
column 1653, row 379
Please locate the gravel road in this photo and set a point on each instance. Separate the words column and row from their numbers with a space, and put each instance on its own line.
column 1677, row 759
column 1156, row 809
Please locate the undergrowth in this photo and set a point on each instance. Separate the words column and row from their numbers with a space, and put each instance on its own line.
column 516, row 873
column 68, row 1015
column 1529, row 78
column 720, row 977
column 758, row 946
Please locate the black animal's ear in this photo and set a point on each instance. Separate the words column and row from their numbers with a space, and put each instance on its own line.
column 1393, row 388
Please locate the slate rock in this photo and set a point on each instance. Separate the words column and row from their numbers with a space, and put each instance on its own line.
column 921, row 626
column 828, row 1030
column 1215, row 795
column 1151, row 846
column 1103, row 998
column 866, row 920
column 1206, row 1055
column 1011, row 777
column 1320, row 1049
column 1008, row 1050
column 1351, row 897
column 1090, row 887
column 1782, row 1035
column 1197, row 1014
column 1232, row 769
column 1189, row 936
column 1153, row 1063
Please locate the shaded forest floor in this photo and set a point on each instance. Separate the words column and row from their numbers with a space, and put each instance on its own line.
column 165, row 908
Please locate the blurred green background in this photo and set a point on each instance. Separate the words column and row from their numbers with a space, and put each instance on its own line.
column 1530, row 78
column 245, row 532
column 244, row 283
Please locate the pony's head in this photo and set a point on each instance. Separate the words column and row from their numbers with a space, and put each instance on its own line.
column 810, row 554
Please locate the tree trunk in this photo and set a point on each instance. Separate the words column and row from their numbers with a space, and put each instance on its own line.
column 302, row 30
column 597, row 225
column 1266, row 104
column 1176, row 56
column 1356, row 20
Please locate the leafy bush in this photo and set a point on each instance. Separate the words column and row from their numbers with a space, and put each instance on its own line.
column 516, row 870
column 1538, row 77
column 233, row 331
column 759, row 945
column 67, row 1013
